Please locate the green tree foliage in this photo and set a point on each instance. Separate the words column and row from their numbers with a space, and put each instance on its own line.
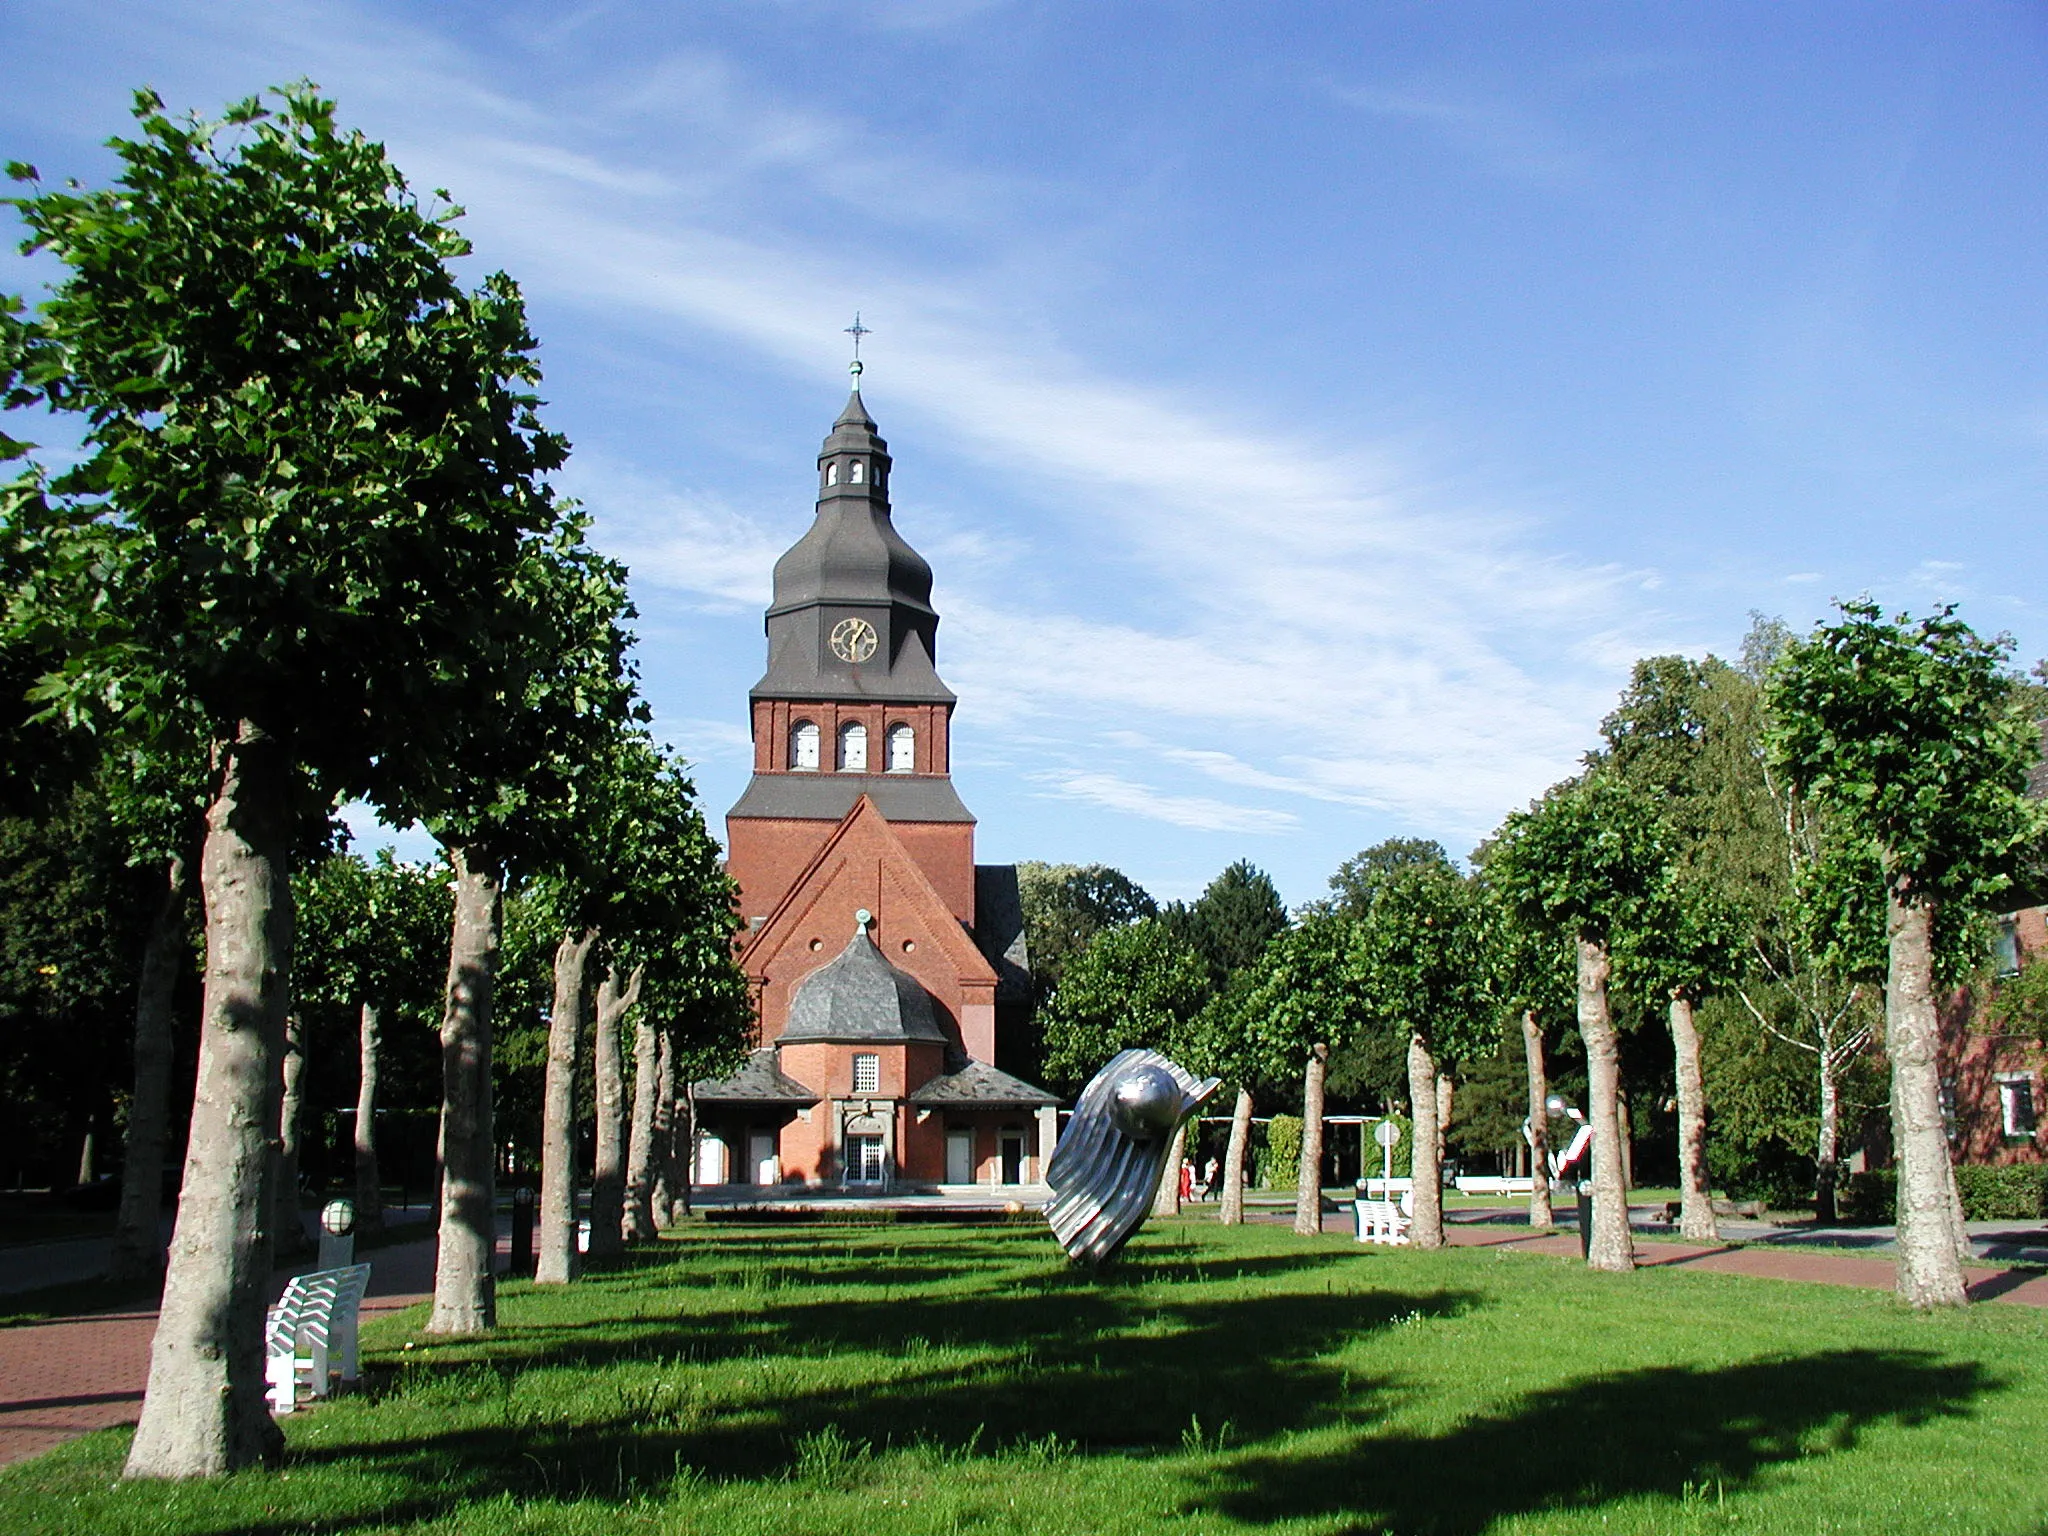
column 1420, row 957
column 1067, row 905
column 72, row 916
column 371, row 932
column 1229, row 924
column 1137, row 985
column 1590, row 860
column 1359, row 877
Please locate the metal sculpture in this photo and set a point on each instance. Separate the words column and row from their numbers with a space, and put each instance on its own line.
column 1107, row 1166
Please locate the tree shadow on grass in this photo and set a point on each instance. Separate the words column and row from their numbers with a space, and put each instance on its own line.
column 1604, row 1438
column 1099, row 1369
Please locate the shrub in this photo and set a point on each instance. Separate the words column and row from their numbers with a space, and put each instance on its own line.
column 1869, row 1198
column 2012, row 1192
column 1281, row 1167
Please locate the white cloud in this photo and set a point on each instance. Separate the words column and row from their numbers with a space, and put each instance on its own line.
column 1198, row 813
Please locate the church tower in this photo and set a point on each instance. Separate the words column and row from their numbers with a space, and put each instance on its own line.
column 851, row 703
column 883, row 961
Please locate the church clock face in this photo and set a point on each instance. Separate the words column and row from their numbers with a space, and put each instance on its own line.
column 853, row 640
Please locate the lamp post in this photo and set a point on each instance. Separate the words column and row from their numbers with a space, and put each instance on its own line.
column 1558, row 1105
column 338, row 1234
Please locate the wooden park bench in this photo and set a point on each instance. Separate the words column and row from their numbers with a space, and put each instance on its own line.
column 1487, row 1184
column 1380, row 1221
column 311, row 1332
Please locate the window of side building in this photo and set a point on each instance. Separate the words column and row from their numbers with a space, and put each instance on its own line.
column 2016, row 1104
column 867, row 1073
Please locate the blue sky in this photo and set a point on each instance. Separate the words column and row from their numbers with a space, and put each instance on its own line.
column 1309, row 410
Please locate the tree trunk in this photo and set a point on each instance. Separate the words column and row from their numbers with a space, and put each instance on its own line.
column 1930, row 1269
column 204, row 1411
column 1540, row 1214
column 1308, row 1190
column 1827, row 1157
column 615, row 999
column 465, row 1286
column 1234, row 1156
column 663, row 1194
column 369, row 1188
column 1166, row 1198
column 637, row 1223
column 555, row 1246
column 288, row 1225
column 1611, row 1246
column 1425, row 1157
column 1695, row 1200
column 682, row 1151
column 138, row 1241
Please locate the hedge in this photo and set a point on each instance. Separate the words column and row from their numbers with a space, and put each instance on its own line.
column 1281, row 1168
column 2009, row 1192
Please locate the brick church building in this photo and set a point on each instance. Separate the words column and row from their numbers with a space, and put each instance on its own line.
column 884, row 960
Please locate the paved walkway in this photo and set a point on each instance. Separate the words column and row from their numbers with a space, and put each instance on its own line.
column 60, row 1379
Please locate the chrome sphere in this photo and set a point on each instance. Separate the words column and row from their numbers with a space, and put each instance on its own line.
column 1146, row 1103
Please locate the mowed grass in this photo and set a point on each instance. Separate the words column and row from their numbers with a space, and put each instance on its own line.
column 936, row 1380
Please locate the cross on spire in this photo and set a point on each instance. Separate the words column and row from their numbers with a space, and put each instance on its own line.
column 856, row 331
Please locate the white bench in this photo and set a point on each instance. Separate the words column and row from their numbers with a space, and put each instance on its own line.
column 1486, row 1184
column 311, row 1332
column 1380, row 1221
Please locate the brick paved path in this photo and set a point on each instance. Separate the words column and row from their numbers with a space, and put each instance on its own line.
column 63, row 1378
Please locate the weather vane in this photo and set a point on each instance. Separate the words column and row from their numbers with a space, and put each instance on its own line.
column 856, row 331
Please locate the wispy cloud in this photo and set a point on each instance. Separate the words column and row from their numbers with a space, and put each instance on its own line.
column 1303, row 619
column 1503, row 135
column 1196, row 812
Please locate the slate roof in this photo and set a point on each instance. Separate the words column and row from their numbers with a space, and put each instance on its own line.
column 760, row 1081
column 858, row 997
column 853, row 562
column 999, row 930
column 979, row 1083
column 829, row 796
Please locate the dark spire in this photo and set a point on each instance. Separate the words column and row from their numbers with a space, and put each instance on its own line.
column 852, row 564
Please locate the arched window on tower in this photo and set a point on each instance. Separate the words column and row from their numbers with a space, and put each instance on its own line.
column 832, row 474
column 803, row 746
column 857, row 472
column 853, row 748
column 902, row 749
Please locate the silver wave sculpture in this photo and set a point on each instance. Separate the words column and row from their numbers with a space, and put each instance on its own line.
column 1107, row 1167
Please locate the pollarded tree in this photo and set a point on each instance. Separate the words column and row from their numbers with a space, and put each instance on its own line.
column 1690, row 947
column 513, row 805
column 1530, row 977
column 1306, row 1000
column 1588, row 863
column 1421, row 961
column 1135, row 986
column 640, row 889
column 1910, row 735
column 371, row 940
column 1131, row 987
column 311, row 480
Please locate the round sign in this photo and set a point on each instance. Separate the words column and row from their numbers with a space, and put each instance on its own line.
column 1387, row 1134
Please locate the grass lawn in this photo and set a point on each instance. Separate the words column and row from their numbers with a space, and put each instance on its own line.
column 928, row 1379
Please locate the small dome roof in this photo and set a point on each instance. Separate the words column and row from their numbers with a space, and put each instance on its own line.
column 859, row 997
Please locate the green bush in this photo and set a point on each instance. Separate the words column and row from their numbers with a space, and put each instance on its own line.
column 2013, row 1192
column 1870, row 1197
column 1281, row 1166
